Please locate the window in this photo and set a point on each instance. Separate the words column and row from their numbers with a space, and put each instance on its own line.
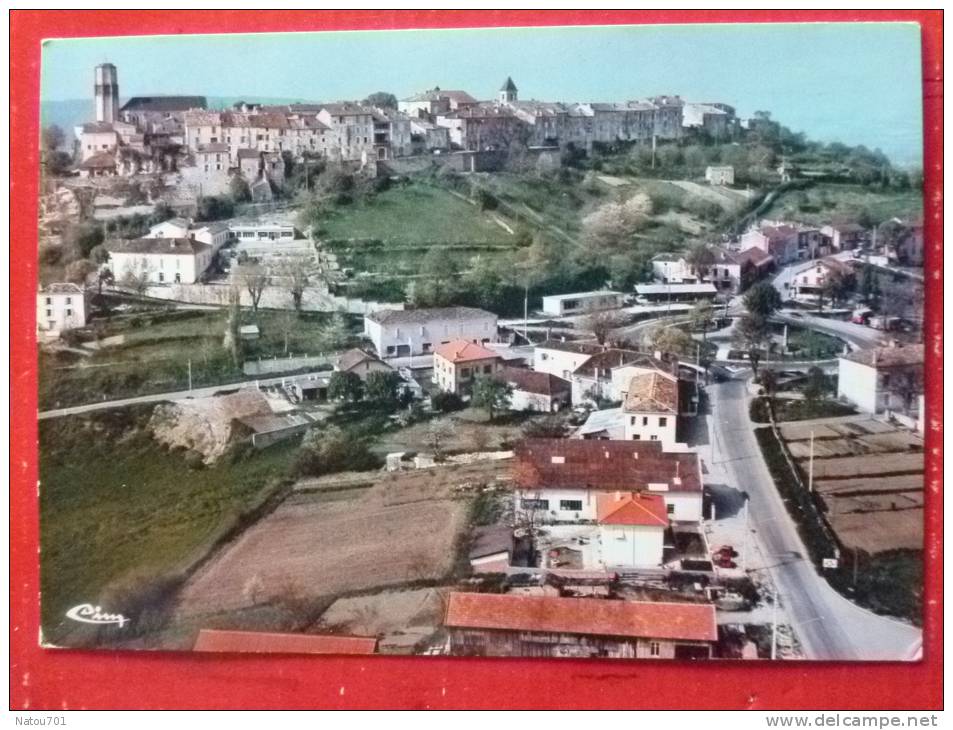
column 662, row 421
column 487, row 368
column 653, row 437
column 49, row 300
column 655, row 649
column 161, row 277
column 534, row 504
column 49, row 312
column 670, row 509
column 69, row 312
column 632, row 421
column 636, row 437
column 645, row 420
column 570, row 505
column 465, row 372
column 69, row 300
column 543, row 356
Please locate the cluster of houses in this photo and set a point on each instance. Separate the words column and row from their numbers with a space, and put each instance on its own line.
column 156, row 133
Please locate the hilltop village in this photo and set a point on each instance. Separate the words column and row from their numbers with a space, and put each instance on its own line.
column 436, row 375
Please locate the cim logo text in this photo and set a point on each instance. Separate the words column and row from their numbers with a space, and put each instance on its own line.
column 87, row 613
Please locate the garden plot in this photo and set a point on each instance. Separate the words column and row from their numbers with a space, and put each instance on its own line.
column 869, row 474
column 404, row 528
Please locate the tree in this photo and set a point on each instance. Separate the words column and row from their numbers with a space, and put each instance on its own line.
column 671, row 340
column 77, row 272
column 332, row 450
column 345, row 386
column 444, row 402
column 254, row 278
column 438, row 282
column 762, row 300
column 769, row 382
column 601, row 324
column 702, row 315
column 232, row 341
column 382, row 99
column 83, row 238
column 439, row 431
column 296, row 280
column 610, row 227
column 238, row 189
column 213, row 208
column 700, row 258
column 816, row 385
column 335, row 333
column 491, row 394
column 52, row 138
column 753, row 333
column 381, row 388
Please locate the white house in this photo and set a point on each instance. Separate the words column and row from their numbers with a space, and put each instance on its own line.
column 720, row 174
column 404, row 332
column 559, row 305
column 672, row 268
column 606, row 376
column 60, row 307
column 560, row 480
column 533, row 391
column 457, row 364
column 561, row 358
column 172, row 228
column 631, row 529
column 675, row 292
column 811, row 279
column 159, row 260
column 882, row 378
column 651, row 409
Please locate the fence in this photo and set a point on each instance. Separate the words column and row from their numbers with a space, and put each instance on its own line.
column 276, row 365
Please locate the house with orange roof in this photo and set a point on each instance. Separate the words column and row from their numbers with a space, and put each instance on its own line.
column 457, row 364
column 631, row 529
column 502, row 624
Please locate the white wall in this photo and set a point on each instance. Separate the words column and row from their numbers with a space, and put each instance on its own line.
column 557, row 362
column 673, row 272
column 160, row 268
column 651, row 427
column 682, row 506
column 56, row 312
column 522, row 400
column 631, row 546
column 560, row 304
column 858, row 384
column 433, row 333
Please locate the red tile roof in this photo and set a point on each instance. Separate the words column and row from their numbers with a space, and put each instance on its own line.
column 755, row 255
column 618, row 508
column 604, row 465
column 459, row 351
column 530, row 381
column 262, row 642
column 653, row 392
column 585, row 616
column 615, row 358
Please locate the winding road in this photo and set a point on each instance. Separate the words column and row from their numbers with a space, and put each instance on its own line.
column 829, row 626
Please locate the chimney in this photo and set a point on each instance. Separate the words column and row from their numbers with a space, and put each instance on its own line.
column 618, row 496
column 658, row 354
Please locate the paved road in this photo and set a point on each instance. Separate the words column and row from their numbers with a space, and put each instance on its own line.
column 170, row 395
column 857, row 335
column 827, row 624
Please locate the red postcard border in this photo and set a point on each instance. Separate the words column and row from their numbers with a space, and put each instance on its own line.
column 56, row 680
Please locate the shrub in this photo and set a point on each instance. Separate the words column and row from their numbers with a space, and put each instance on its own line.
column 194, row 460
column 446, row 402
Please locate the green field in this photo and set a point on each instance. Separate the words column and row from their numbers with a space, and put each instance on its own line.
column 414, row 213
column 826, row 202
column 156, row 349
column 120, row 515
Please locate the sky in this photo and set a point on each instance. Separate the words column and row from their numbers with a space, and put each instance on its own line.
column 853, row 83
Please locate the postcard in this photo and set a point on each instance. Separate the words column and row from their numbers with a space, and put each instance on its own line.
column 511, row 342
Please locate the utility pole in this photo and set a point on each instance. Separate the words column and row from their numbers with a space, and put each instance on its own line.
column 774, row 626
column 190, row 375
column 810, row 468
column 526, row 311
column 744, row 542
